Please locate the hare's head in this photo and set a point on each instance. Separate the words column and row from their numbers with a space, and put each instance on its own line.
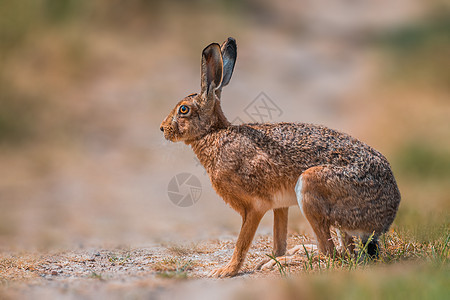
column 198, row 114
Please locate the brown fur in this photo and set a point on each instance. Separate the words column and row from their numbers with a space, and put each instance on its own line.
column 255, row 167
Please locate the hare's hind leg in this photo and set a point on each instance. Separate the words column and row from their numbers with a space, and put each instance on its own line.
column 358, row 202
column 313, row 196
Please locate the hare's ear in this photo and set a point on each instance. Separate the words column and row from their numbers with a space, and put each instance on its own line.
column 212, row 67
column 229, row 54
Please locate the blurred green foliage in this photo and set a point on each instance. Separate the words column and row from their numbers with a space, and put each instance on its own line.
column 420, row 50
column 419, row 160
column 59, row 11
column 21, row 21
column 17, row 116
column 16, row 19
column 27, row 27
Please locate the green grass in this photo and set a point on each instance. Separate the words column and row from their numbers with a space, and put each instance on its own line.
column 395, row 247
column 282, row 269
column 406, row 269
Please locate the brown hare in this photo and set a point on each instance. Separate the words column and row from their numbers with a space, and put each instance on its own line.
column 336, row 180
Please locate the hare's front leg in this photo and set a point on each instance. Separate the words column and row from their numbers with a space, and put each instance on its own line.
column 280, row 223
column 250, row 222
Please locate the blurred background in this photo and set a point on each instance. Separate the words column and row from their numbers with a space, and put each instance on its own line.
column 85, row 84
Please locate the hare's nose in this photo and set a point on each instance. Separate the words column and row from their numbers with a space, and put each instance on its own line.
column 161, row 128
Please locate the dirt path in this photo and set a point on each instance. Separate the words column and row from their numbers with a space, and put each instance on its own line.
column 156, row 271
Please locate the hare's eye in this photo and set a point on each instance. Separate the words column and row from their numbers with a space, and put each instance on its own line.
column 183, row 109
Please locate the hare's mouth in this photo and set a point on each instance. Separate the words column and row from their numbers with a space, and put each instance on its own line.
column 170, row 136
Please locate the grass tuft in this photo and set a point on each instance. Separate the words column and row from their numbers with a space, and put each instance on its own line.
column 395, row 247
column 173, row 268
column 118, row 259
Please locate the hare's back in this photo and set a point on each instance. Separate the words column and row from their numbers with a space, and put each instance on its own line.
column 311, row 145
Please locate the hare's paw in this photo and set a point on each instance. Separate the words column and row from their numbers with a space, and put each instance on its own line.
column 226, row 271
column 262, row 265
column 269, row 263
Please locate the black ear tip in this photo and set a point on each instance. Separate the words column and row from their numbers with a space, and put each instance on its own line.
column 231, row 42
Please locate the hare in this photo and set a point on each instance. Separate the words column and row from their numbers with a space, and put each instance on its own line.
column 336, row 180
